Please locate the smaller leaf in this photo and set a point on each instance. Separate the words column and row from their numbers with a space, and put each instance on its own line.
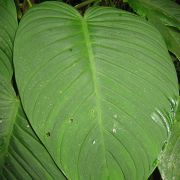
column 8, row 26
column 168, row 11
column 8, row 109
column 169, row 164
column 26, row 157
column 165, row 16
column 171, row 34
column 22, row 156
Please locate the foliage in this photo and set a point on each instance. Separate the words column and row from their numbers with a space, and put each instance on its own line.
column 94, row 93
column 165, row 15
column 170, row 159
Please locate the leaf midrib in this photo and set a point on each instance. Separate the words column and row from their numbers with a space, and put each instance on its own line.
column 94, row 78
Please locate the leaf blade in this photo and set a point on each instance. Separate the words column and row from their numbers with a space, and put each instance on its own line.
column 168, row 11
column 17, row 138
column 170, row 159
column 8, row 26
column 27, row 158
column 80, row 89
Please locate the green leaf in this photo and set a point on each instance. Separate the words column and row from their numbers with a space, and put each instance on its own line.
column 22, row 156
column 100, row 90
column 167, row 11
column 165, row 15
column 170, row 160
column 8, row 109
column 8, row 26
column 171, row 35
column 173, row 41
column 178, row 113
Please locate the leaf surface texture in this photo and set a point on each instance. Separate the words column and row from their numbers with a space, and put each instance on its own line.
column 99, row 90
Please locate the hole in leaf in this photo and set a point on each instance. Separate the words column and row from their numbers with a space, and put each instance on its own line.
column 48, row 134
column 71, row 120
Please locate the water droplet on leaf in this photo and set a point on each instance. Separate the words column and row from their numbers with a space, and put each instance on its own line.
column 114, row 130
column 115, row 116
column 93, row 142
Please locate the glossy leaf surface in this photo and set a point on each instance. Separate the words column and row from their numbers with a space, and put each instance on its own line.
column 170, row 160
column 99, row 90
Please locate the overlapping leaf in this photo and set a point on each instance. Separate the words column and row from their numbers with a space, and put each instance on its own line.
column 8, row 26
column 166, row 10
column 99, row 90
column 165, row 15
column 22, row 156
column 170, row 160
column 8, row 108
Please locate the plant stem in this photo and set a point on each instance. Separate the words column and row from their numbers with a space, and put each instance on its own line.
column 29, row 3
column 84, row 4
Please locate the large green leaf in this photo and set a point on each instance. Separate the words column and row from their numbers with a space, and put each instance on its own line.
column 22, row 156
column 8, row 26
column 165, row 15
column 100, row 91
column 170, row 160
